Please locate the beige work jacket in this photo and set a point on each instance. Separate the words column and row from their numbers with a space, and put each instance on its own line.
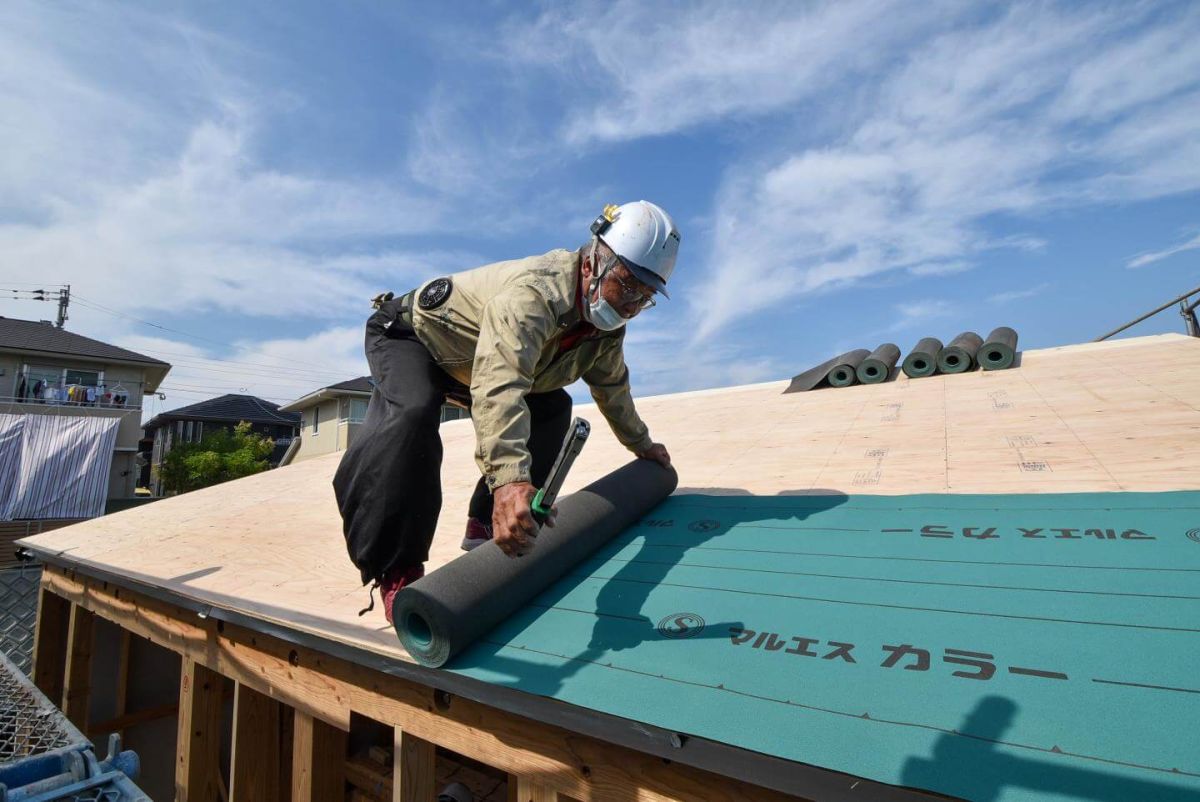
column 498, row 333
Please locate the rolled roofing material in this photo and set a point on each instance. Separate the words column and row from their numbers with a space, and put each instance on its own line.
column 443, row 613
column 845, row 372
column 959, row 355
column 922, row 360
column 823, row 372
column 1000, row 349
column 878, row 366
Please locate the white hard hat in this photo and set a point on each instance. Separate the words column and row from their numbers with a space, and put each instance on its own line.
column 644, row 238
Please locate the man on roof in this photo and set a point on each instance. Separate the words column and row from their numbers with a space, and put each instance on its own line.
column 504, row 340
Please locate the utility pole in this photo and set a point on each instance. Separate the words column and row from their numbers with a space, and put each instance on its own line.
column 64, row 298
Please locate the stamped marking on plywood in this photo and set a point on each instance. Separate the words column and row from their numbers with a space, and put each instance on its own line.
column 1000, row 399
column 874, row 475
column 891, row 412
column 1021, row 441
column 1034, row 466
column 862, row 478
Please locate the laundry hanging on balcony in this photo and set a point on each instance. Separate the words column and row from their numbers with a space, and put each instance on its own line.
column 55, row 466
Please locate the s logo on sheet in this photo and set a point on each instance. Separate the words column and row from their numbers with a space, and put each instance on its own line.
column 680, row 625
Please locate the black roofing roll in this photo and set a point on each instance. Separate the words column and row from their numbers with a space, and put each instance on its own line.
column 878, row 366
column 999, row 350
column 959, row 355
column 814, row 377
column 845, row 372
column 441, row 614
column 922, row 359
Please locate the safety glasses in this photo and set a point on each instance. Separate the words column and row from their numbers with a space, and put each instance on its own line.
column 631, row 294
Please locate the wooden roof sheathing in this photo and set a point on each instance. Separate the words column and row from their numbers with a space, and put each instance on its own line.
column 1120, row 415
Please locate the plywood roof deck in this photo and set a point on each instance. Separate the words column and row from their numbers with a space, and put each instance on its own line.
column 1113, row 416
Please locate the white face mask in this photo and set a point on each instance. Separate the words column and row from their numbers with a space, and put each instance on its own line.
column 599, row 312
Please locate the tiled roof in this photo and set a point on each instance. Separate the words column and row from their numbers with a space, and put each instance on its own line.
column 231, row 408
column 32, row 335
column 361, row 385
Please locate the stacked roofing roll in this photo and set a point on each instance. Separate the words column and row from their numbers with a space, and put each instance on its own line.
column 1000, row 350
column 965, row 352
column 959, row 355
column 922, row 360
column 877, row 367
column 837, row 372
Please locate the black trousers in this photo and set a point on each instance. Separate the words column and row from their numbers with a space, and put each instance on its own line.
column 388, row 484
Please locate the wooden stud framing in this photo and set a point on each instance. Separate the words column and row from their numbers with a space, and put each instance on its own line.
column 50, row 642
column 76, row 698
column 328, row 688
column 198, row 750
column 412, row 768
column 318, row 760
column 256, row 748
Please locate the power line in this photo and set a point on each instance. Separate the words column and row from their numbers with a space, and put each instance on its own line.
column 209, row 393
column 196, row 357
column 102, row 308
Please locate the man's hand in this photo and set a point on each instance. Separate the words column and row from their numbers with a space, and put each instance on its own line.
column 658, row 453
column 512, row 520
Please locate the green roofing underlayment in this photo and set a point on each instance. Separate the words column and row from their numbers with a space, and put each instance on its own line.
column 1007, row 647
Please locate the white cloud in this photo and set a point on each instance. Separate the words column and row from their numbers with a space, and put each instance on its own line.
column 278, row 370
column 1157, row 256
column 917, row 312
column 990, row 119
column 1019, row 295
column 657, row 68
column 940, row 268
column 133, row 159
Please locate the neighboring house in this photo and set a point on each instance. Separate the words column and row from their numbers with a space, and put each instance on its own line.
column 70, row 419
column 330, row 417
column 189, row 425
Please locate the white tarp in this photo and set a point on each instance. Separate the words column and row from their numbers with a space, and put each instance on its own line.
column 55, row 466
column 11, row 427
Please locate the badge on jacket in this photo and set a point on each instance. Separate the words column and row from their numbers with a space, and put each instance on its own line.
column 435, row 293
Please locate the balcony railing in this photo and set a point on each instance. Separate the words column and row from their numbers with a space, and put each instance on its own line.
column 132, row 402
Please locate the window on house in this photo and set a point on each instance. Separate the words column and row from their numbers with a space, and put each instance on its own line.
column 60, row 385
column 38, row 383
column 188, row 431
column 87, row 378
column 358, row 410
column 316, row 420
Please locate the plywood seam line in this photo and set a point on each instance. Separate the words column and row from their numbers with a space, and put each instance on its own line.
column 841, row 440
column 947, row 484
column 1134, row 377
column 1074, row 433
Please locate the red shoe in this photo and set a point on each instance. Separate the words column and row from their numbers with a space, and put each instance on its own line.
column 477, row 534
column 395, row 579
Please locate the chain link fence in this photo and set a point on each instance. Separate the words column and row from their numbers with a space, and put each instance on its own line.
column 18, row 613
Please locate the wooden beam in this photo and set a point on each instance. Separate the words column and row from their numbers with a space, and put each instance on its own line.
column 412, row 768
column 328, row 688
column 121, row 705
column 318, row 760
column 523, row 789
column 198, row 750
column 77, row 683
column 50, row 642
column 255, row 753
column 119, row 724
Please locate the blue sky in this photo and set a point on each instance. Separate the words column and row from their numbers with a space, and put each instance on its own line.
column 843, row 173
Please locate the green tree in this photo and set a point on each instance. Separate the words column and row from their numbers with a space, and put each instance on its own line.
column 218, row 457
